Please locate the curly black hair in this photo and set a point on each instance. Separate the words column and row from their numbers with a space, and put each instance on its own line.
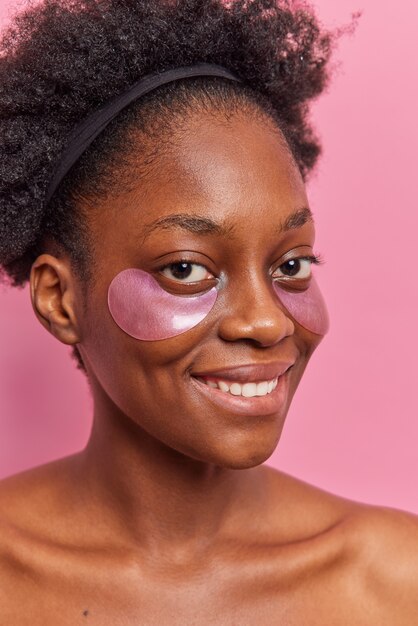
column 62, row 59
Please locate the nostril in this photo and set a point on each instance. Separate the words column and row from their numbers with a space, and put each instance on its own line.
column 260, row 326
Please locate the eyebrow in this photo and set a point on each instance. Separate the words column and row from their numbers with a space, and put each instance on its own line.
column 297, row 219
column 205, row 226
column 191, row 223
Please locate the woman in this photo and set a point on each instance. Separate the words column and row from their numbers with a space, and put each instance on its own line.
column 152, row 170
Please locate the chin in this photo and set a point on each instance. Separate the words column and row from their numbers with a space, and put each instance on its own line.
column 242, row 451
column 240, row 463
column 249, row 458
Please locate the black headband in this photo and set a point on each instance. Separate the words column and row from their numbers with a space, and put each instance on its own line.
column 86, row 132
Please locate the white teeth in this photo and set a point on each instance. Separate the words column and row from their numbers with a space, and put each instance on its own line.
column 235, row 389
column 247, row 390
column 262, row 388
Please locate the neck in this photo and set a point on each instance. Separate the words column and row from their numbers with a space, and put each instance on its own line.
column 159, row 498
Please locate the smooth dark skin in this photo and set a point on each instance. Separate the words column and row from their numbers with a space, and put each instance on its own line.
column 168, row 517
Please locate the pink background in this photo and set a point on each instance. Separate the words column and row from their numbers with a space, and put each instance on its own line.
column 353, row 426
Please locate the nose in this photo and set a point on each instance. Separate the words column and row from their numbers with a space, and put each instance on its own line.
column 253, row 312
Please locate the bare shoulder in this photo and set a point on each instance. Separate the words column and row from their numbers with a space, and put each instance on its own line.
column 369, row 553
column 370, row 525
column 386, row 532
column 34, row 506
column 386, row 541
column 32, row 493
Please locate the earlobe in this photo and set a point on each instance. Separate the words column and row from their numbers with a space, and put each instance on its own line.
column 53, row 297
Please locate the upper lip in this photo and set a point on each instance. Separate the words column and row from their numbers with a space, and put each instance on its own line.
column 248, row 373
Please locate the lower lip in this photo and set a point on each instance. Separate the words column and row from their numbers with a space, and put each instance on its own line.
column 273, row 402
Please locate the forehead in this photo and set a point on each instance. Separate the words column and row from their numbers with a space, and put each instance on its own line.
column 242, row 163
column 237, row 172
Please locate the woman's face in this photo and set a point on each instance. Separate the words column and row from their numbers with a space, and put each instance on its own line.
column 227, row 200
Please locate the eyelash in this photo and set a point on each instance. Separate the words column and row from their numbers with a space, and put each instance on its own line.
column 315, row 259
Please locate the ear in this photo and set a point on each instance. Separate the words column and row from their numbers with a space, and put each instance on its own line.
column 52, row 289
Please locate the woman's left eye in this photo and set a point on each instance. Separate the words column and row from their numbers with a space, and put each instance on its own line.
column 186, row 272
column 295, row 268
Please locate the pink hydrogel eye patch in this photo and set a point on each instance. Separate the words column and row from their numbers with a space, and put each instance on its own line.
column 144, row 310
column 308, row 307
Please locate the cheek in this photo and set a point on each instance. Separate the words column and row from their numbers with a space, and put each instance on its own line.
column 308, row 307
column 143, row 310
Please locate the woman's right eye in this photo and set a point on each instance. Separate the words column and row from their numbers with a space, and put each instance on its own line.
column 186, row 272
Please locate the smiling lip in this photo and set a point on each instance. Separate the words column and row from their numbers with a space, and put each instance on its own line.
column 248, row 373
column 270, row 404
